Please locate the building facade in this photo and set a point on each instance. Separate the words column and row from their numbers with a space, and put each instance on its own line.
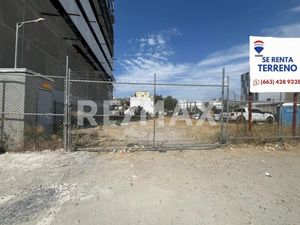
column 81, row 29
column 143, row 99
column 260, row 97
column 245, row 88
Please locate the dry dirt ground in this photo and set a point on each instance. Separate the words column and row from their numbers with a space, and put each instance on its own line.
column 141, row 134
column 223, row 186
column 180, row 133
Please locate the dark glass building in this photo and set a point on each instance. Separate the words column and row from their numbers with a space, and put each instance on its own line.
column 81, row 29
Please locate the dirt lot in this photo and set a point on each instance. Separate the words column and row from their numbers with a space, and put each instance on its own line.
column 177, row 134
column 141, row 134
column 222, row 186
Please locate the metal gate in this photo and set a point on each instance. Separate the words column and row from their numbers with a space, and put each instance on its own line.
column 79, row 111
column 133, row 116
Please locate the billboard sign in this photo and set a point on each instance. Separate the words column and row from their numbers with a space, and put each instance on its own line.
column 274, row 64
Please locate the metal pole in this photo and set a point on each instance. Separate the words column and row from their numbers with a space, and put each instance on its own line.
column 279, row 116
column 66, row 147
column 295, row 109
column 3, row 110
column 222, row 109
column 250, row 100
column 154, row 119
column 16, row 46
column 69, row 110
column 18, row 26
column 227, row 111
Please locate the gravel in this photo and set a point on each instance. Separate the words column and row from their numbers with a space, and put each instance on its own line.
column 236, row 185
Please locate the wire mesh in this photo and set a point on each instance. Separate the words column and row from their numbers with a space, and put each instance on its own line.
column 270, row 121
column 131, row 116
column 127, row 115
column 31, row 112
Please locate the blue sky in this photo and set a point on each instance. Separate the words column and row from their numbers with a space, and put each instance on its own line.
column 190, row 41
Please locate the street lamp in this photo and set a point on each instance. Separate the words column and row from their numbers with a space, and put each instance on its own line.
column 18, row 26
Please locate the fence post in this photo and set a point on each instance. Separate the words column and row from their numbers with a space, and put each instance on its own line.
column 279, row 117
column 66, row 107
column 222, row 109
column 154, row 112
column 295, row 110
column 227, row 111
column 69, row 110
column 3, row 111
column 250, row 100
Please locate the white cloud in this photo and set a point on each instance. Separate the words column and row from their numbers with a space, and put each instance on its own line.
column 161, row 40
column 291, row 30
column 225, row 56
column 295, row 9
column 291, row 11
column 151, row 41
column 155, row 58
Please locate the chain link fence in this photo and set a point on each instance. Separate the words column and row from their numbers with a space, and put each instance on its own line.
column 32, row 111
column 80, row 111
column 147, row 115
column 271, row 120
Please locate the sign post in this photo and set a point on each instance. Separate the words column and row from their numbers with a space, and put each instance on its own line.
column 275, row 67
column 295, row 109
column 250, row 100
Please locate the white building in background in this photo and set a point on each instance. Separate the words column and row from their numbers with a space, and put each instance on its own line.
column 199, row 104
column 184, row 104
column 217, row 104
column 144, row 100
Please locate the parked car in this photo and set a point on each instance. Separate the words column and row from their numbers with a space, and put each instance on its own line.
column 217, row 117
column 242, row 114
column 196, row 116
